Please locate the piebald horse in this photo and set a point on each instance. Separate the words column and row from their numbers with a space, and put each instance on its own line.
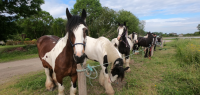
column 123, row 43
column 60, row 56
column 103, row 51
column 145, row 42
column 133, row 37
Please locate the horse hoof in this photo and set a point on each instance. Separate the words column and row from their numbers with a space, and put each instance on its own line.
column 112, row 92
column 50, row 86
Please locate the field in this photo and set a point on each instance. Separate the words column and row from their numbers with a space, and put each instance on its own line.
column 17, row 52
column 173, row 70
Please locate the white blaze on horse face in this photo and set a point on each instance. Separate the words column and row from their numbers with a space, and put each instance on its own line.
column 79, row 39
column 113, row 78
column 135, row 38
column 120, row 29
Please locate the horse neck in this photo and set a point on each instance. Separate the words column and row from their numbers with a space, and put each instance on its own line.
column 124, row 41
column 150, row 39
column 112, row 52
column 68, row 48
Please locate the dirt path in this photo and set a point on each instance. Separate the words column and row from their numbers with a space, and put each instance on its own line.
column 14, row 68
column 167, row 40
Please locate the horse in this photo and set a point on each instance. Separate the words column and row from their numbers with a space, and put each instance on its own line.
column 123, row 43
column 145, row 42
column 102, row 50
column 60, row 56
column 133, row 37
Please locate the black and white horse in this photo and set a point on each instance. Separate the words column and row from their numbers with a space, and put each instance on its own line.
column 145, row 42
column 103, row 51
column 123, row 43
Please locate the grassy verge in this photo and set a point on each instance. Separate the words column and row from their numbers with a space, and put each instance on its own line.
column 161, row 75
column 26, row 52
column 2, row 48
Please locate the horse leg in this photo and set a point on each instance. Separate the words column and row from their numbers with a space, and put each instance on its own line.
column 73, row 84
column 104, row 77
column 54, row 78
column 123, row 57
column 146, row 53
column 60, row 85
column 49, row 82
column 127, row 58
column 108, row 87
column 101, row 78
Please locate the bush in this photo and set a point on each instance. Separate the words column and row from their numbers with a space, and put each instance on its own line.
column 34, row 40
column 30, row 42
column 27, row 39
column 188, row 50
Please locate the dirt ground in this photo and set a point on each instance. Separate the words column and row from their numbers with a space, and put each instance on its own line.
column 15, row 68
column 167, row 40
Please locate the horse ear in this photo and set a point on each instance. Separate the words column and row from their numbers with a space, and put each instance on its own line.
column 68, row 14
column 126, row 68
column 118, row 24
column 84, row 15
column 125, row 23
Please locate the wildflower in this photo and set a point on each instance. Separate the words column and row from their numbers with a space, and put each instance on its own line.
column 198, row 50
column 155, row 85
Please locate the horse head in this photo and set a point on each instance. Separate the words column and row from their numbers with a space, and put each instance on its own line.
column 118, row 70
column 122, row 31
column 77, row 30
column 151, row 37
column 134, row 37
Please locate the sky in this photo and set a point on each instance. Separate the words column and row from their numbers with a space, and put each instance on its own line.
column 167, row 16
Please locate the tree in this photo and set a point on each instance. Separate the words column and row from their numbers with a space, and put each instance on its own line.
column 141, row 27
column 105, row 23
column 132, row 22
column 36, row 25
column 58, row 27
column 198, row 27
column 93, row 9
column 11, row 10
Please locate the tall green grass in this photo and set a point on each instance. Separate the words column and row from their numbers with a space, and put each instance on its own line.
column 188, row 51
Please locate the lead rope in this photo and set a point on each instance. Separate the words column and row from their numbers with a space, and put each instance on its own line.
column 91, row 69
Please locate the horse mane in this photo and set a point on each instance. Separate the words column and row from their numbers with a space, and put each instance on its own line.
column 73, row 22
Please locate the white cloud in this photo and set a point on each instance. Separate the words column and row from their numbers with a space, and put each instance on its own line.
column 56, row 8
column 151, row 7
column 176, row 25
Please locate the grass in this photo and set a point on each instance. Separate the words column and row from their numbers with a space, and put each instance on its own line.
column 188, row 51
column 29, row 51
column 162, row 75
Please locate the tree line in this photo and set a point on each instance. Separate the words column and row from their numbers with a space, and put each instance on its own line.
column 30, row 20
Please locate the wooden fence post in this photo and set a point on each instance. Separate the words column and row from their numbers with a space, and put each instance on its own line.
column 152, row 49
column 82, row 86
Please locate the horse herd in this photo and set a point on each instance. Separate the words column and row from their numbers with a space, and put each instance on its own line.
column 60, row 56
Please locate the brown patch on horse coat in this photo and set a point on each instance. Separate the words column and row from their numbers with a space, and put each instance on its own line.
column 64, row 66
column 43, row 49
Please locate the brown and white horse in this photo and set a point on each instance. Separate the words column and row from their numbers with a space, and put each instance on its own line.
column 60, row 56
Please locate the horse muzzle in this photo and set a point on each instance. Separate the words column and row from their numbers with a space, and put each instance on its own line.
column 79, row 59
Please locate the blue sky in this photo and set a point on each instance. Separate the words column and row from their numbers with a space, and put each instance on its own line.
column 167, row 16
